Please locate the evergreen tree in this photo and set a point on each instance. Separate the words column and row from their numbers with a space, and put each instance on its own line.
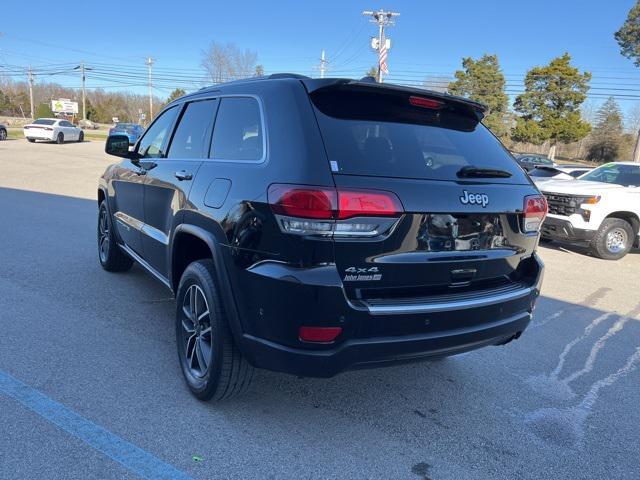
column 550, row 105
column 628, row 37
column 372, row 72
column 177, row 93
column 44, row 111
column 607, row 133
column 482, row 80
column 6, row 108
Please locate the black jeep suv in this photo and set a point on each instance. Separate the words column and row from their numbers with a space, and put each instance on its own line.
column 310, row 226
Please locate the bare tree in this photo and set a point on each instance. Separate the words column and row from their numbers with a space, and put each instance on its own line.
column 228, row 62
column 588, row 111
column 632, row 119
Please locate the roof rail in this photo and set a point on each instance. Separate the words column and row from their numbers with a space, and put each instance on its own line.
column 273, row 76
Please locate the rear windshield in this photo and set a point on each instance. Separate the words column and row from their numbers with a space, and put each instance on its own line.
column 381, row 134
column 44, row 121
column 577, row 173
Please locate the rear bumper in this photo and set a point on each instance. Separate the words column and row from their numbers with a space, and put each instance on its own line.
column 563, row 230
column 371, row 336
column 39, row 134
column 382, row 351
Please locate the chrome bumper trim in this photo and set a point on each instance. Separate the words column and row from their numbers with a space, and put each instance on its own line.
column 433, row 307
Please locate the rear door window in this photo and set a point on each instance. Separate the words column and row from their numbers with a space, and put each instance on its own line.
column 237, row 134
column 383, row 134
column 191, row 138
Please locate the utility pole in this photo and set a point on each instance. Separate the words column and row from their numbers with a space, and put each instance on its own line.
column 323, row 65
column 31, row 91
column 84, row 93
column 149, row 64
column 636, row 150
column 382, row 19
column 83, row 77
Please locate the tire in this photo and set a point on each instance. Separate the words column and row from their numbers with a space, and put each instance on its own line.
column 81, row 137
column 60, row 138
column 227, row 373
column 111, row 257
column 613, row 240
column 3, row 134
column 31, row 140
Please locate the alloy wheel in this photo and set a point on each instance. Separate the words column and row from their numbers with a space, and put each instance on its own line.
column 103, row 235
column 196, row 332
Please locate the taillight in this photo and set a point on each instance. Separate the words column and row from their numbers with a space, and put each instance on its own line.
column 535, row 211
column 306, row 210
column 48, row 128
column 426, row 103
column 301, row 201
column 353, row 203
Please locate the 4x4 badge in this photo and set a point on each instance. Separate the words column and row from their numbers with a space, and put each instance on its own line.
column 474, row 198
column 362, row 274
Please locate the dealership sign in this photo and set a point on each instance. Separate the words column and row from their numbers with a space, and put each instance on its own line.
column 64, row 105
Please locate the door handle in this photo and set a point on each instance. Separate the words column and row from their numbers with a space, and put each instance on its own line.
column 183, row 175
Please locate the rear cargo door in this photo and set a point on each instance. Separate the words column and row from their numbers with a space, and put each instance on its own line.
column 459, row 228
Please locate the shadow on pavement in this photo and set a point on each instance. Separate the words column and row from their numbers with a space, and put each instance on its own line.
column 537, row 404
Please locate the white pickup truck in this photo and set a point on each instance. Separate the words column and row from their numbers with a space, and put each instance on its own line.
column 600, row 210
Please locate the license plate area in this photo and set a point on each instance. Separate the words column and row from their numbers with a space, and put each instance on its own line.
column 447, row 232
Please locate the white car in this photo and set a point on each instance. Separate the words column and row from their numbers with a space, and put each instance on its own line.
column 601, row 209
column 543, row 173
column 53, row 130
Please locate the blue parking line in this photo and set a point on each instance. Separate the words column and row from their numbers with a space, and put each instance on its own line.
column 126, row 454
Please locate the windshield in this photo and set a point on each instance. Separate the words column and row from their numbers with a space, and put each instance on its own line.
column 620, row 174
column 381, row 134
column 44, row 121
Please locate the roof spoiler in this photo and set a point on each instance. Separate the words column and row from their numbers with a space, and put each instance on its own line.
column 366, row 83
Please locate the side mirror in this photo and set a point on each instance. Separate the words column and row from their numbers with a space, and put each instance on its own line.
column 118, row 145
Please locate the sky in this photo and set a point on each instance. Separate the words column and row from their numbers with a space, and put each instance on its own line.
column 429, row 39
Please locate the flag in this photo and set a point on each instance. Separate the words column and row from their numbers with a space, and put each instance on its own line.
column 382, row 56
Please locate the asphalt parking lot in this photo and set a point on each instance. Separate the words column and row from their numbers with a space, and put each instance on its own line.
column 90, row 386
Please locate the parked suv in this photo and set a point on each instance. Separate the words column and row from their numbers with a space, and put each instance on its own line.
column 311, row 226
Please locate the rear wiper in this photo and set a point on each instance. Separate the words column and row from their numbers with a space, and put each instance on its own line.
column 476, row 172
